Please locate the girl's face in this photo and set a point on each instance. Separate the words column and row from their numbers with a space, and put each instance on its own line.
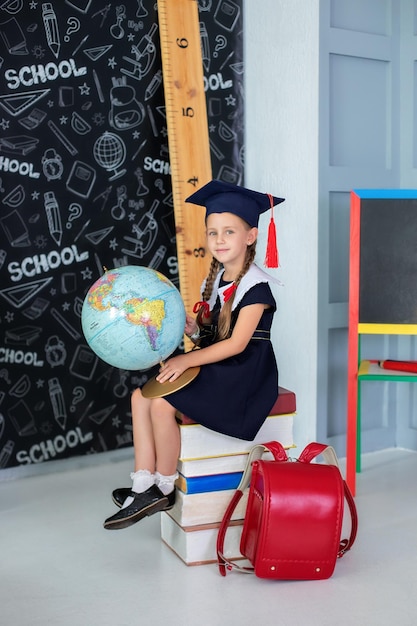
column 228, row 237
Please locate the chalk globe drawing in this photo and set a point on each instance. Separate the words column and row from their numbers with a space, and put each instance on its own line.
column 110, row 152
column 133, row 317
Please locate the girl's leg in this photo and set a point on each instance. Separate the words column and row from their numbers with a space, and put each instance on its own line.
column 143, row 476
column 143, row 437
column 167, row 445
column 166, row 435
column 157, row 446
column 156, row 438
column 144, row 449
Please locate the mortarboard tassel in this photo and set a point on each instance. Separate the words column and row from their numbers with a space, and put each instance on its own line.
column 271, row 255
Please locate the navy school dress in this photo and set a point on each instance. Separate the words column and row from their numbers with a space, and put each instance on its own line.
column 235, row 396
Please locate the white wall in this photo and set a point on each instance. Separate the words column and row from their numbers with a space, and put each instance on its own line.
column 281, row 125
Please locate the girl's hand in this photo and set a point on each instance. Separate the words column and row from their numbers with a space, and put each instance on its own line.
column 191, row 325
column 172, row 369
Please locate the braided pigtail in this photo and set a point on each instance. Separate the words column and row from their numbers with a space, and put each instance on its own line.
column 213, row 271
column 225, row 317
column 202, row 308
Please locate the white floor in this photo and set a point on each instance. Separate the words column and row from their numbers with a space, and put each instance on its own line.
column 59, row 566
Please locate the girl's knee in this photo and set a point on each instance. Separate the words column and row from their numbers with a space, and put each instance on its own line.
column 161, row 407
column 137, row 399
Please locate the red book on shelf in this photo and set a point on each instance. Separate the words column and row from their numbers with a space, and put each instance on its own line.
column 400, row 366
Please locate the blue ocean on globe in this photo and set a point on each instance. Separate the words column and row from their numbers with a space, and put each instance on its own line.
column 133, row 317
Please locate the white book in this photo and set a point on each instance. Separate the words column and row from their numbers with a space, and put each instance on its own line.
column 198, row 442
column 196, row 545
column 224, row 464
column 194, row 509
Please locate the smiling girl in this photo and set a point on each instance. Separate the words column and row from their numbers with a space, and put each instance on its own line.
column 238, row 381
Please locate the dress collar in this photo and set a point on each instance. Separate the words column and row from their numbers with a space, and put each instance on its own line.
column 253, row 276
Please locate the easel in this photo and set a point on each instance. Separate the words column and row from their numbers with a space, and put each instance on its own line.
column 383, row 235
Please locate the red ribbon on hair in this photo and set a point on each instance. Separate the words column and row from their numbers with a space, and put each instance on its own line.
column 227, row 293
column 203, row 308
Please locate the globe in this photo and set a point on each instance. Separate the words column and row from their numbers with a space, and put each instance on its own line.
column 133, row 317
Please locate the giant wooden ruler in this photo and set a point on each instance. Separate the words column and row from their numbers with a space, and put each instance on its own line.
column 188, row 138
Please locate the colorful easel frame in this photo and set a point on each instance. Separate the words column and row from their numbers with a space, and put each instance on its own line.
column 366, row 370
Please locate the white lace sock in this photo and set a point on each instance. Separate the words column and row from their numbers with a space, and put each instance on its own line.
column 165, row 483
column 142, row 480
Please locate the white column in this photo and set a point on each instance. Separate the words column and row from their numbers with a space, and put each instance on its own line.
column 281, row 155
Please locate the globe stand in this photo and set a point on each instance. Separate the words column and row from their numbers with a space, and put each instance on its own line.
column 155, row 389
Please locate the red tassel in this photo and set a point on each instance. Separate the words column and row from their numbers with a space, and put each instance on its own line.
column 271, row 255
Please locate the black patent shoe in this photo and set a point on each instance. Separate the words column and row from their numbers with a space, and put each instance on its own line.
column 147, row 503
column 120, row 495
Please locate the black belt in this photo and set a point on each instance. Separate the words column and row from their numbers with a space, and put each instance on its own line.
column 208, row 330
column 261, row 334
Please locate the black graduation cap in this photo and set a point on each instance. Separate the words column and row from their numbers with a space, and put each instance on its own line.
column 221, row 197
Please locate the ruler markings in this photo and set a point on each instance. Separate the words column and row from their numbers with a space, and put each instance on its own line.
column 188, row 139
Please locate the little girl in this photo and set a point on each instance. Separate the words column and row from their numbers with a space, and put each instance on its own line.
column 238, row 381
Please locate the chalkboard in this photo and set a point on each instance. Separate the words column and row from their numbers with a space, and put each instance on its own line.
column 388, row 257
column 85, row 182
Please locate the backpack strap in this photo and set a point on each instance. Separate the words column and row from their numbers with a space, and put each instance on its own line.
column 308, row 454
column 255, row 453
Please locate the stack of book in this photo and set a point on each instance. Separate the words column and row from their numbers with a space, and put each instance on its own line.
column 210, row 468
